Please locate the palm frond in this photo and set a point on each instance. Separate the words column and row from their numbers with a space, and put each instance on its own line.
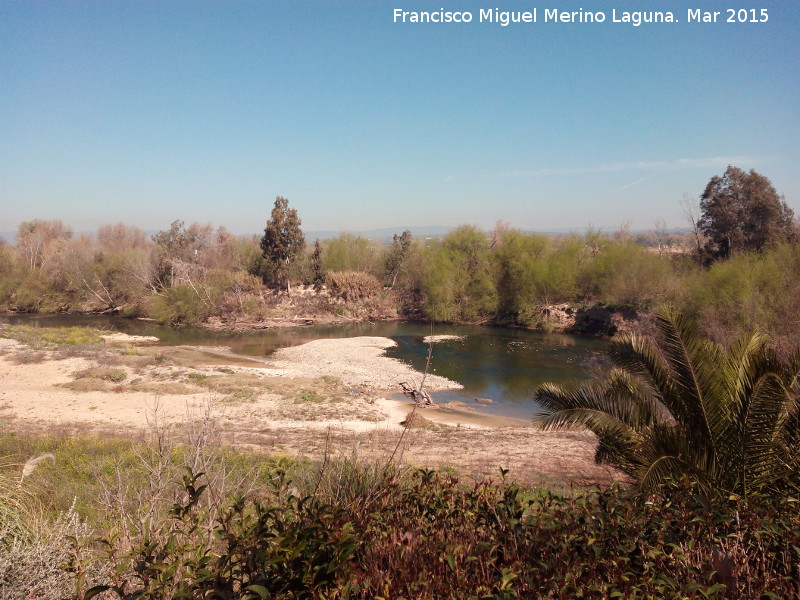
column 690, row 363
column 678, row 404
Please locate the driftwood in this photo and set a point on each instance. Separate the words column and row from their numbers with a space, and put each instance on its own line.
column 420, row 397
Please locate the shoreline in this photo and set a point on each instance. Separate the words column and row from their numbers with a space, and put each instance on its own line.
column 323, row 396
column 593, row 322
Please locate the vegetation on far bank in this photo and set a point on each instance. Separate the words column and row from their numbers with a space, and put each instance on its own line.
column 190, row 273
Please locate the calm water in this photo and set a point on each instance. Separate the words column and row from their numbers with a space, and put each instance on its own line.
column 504, row 365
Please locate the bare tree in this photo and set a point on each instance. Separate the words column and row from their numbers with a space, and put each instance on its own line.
column 692, row 213
column 661, row 235
column 38, row 241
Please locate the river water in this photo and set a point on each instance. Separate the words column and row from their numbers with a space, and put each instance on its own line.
column 492, row 363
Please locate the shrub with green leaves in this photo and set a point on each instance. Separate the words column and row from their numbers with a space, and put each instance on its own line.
column 179, row 305
column 678, row 404
column 428, row 537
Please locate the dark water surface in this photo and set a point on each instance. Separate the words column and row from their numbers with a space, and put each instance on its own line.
column 503, row 365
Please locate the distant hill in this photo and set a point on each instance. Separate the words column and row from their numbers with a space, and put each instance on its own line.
column 384, row 233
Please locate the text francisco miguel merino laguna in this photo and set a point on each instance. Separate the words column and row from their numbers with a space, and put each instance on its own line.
column 555, row 15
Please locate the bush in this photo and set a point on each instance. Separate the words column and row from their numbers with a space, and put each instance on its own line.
column 425, row 536
column 352, row 285
column 349, row 252
column 459, row 281
column 179, row 305
column 624, row 273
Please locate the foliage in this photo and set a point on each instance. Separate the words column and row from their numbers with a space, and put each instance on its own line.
column 506, row 277
column 742, row 211
column 39, row 242
column 521, row 262
column 397, row 255
column 624, row 273
column 348, row 252
column 681, row 405
column 282, row 241
column 459, row 282
column 317, row 266
column 749, row 289
column 425, row 536
column 179, row 305
column 352, row 529
column 352, row 285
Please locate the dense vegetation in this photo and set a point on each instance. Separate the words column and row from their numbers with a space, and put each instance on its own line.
column 250, row 527
column 737, row 269
column 188, row 273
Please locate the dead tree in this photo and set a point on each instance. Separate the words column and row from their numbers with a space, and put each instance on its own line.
column 420, row 397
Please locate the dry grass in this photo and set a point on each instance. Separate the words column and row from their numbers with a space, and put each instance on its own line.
column 29, row 357
column 33, row 567
column 104, row 373
column 87, row 384
column 166, row 388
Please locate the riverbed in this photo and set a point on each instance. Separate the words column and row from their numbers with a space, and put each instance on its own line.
column 497, row 368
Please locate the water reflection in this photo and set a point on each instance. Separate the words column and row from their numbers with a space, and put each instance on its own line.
column 504, row 365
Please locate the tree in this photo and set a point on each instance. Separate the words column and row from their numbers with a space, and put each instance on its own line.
column 458, row 277
column 680, row 405
column 282, row 241
column 348, row 252
column 41, row 241
column 317, row 268
column 397, row 254
column 742, row 211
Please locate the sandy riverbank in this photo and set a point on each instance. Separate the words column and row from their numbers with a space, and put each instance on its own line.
column 333, row 393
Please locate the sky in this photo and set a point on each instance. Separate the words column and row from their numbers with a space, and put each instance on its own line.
column 149, row 111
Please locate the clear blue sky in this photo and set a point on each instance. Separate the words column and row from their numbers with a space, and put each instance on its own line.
column 148, row 111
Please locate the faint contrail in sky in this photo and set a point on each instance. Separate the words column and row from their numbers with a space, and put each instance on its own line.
column 680, row 163
column 637, row 182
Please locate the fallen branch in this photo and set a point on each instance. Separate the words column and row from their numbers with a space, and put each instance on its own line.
column 420, row 397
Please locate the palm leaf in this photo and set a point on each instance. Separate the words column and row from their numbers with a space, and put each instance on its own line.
column 678, row 404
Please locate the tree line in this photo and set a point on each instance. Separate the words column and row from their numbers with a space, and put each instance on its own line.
column 738, row 267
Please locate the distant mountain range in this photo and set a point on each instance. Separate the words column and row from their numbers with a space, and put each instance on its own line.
column 386, row 233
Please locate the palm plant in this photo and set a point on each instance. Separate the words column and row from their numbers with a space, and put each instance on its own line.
column 678, row 404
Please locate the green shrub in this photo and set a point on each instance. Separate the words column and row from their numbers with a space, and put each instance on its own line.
column 459, row 283
column 425, row 536
column 179, row 305
column 349, row 252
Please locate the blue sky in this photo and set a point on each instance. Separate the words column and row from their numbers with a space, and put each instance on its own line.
column 149, row 111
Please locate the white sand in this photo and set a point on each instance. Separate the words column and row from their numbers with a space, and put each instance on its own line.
column 358, row 362
column 32, row 392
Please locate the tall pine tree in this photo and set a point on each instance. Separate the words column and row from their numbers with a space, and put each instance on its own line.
column 282, row 242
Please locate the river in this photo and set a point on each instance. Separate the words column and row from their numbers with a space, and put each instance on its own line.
column 492, row 363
